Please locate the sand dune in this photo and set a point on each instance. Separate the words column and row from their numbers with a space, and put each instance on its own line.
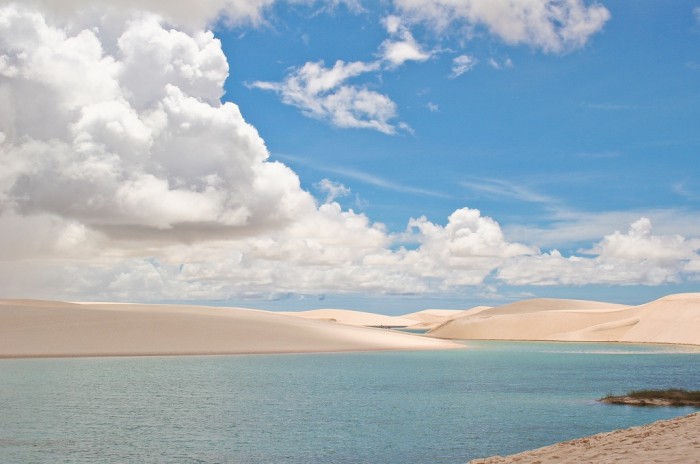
column 431, row 318
column 672, row 319
column 674, row 440
column 41, row 328
column 349, row 317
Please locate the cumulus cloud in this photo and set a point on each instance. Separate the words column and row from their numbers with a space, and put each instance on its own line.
column 126, row 177
column 554, row 26
column 635, row 257
column 131, row 141
column 191, row 15
column 323, row 93
column 462, row 64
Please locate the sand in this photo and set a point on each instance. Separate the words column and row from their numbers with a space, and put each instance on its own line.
column 669, row 441
column 356, row 318
column 673, row 319
column 431, row 318
column 30, row 328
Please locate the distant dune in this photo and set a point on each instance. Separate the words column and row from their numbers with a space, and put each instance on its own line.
column 32, row 328
column 431, row 318
column 50, row 329
column 357, row 318
column 672, row 319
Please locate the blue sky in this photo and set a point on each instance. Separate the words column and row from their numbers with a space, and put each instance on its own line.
column 574, row 135
column 608, row 130
column 605, row 128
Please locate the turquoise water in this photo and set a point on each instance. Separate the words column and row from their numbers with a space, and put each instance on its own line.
column 387, row 407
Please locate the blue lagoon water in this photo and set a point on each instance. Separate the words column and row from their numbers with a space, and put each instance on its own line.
column 381, row 407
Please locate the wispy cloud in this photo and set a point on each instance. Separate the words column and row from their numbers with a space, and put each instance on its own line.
column 498, row 188
column 462, row 64
column 332, row 190
column 503, row 64
column 609, row 106
column 387, row 184
column 685, row 189
column 364, row 177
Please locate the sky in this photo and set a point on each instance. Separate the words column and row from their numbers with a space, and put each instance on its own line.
column 386, row 156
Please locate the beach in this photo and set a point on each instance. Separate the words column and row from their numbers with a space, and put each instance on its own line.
column 667, row 441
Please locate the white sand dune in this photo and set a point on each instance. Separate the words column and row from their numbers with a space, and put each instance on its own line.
column 669, row 441
column 431, row 318
column 350, row 317
column 672, row 319
column 50, row 329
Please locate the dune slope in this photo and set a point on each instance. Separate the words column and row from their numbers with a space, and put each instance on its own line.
column 39, row 329
column 672, row 319
column 357, row 318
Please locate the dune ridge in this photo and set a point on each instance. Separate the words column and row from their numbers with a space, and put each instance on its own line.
column 672, row 319
column 356, row 318
column 30, row 328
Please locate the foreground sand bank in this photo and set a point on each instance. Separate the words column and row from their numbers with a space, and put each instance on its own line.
column 30, row 328
column 669, row 441
column 673, row 319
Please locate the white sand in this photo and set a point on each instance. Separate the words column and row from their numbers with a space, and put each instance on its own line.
column 673, row 319
column 356, row 318
column 670, row 441
column 431, row 318
column 31, row 328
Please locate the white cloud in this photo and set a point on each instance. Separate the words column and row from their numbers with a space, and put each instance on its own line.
column 696, row 13
column 84, row 141
column 566, row 227
column 125, row 177
column 552, row 25
column 505, row 64
column 332, row 190
column 187, row 14
column 635, row 257
column 402, row 47
column 462, row 64
column 323, row 93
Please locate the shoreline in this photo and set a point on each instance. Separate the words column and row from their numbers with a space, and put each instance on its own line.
column 570, row 342
column 671, row 440
column 215, row 354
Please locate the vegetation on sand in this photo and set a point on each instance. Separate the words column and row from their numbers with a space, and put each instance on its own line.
column 669, row 397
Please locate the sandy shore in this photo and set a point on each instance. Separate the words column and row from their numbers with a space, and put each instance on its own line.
column 674, row 319
column 30, row 328
column 669, row 441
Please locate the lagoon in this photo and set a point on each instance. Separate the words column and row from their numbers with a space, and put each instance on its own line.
column 380, row 407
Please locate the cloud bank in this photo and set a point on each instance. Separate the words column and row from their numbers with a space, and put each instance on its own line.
column 125, row 177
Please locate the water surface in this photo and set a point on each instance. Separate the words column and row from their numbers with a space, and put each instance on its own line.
column 382, row 407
